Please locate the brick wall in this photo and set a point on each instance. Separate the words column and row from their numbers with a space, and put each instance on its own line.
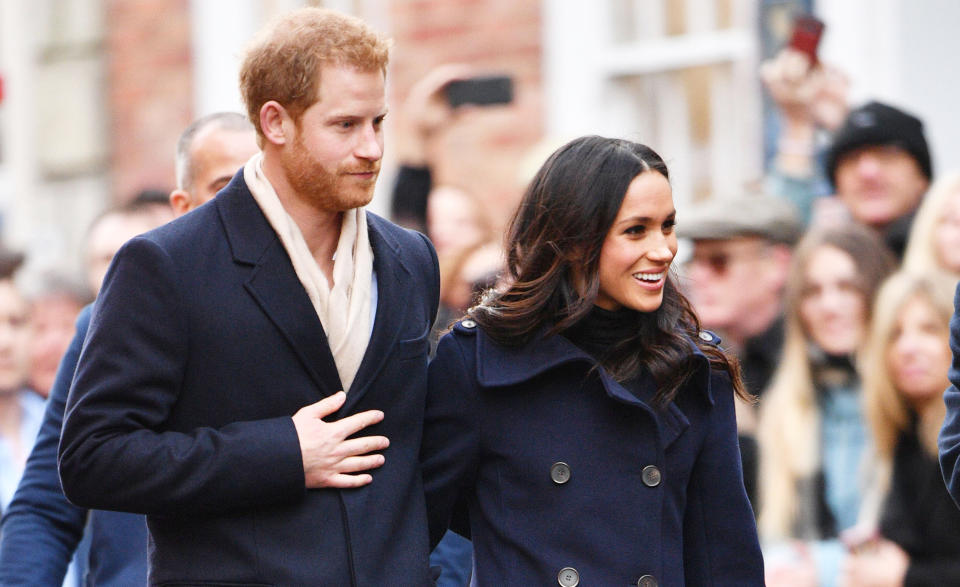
column 149, row 91
column 484, row 150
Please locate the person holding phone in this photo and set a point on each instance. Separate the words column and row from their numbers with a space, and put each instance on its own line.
column 436, row 102
column 811, row 99
column 590, row 428
column 873, row 159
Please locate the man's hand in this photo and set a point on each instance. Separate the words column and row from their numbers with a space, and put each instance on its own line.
column 330, row 459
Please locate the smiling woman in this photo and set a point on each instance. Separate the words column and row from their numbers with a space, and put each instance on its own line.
column 639, row 248
column 582, row 379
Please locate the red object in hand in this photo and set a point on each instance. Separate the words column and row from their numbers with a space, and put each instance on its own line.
column 805, row 36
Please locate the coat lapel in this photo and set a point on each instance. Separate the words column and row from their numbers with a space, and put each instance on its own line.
column 391, row 273
column 274, row 284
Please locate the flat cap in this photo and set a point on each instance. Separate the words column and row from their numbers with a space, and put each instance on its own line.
column 721, row 217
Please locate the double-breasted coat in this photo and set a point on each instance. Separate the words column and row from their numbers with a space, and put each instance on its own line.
column 569, row 478
column 202, row 345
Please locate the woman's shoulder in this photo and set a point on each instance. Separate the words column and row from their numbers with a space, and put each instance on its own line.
column 715, row 381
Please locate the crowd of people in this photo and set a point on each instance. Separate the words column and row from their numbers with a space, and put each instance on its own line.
column 266, row 384
column 839, row 313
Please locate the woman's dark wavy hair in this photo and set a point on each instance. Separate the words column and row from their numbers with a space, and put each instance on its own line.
column 553, row 256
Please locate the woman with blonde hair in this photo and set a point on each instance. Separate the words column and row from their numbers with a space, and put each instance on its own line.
column 934, row 243
column 914, row 537
column 811, row 432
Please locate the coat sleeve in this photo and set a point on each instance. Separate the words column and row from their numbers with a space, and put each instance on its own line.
column 720, row 535
column 116, row 453
column 451, row 434
column 41, row 529
column 949, row 442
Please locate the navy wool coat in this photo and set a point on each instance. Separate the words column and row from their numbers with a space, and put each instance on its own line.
column 949, row 442
column 202, row 345
column 570, row 478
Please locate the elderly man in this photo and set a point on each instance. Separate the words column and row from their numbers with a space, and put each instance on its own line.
column 735, row 280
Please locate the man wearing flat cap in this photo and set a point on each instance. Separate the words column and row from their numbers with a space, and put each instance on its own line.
column 735, row 279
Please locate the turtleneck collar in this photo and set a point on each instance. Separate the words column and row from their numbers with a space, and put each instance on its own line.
column 600, row 330
column 832, row 371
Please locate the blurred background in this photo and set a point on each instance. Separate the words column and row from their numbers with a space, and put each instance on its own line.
column 95, row 92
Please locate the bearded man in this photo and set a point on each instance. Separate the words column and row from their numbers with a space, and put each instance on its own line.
column 249, row 364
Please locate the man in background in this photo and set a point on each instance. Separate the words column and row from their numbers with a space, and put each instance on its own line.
column 877, row 160
column 735, row 281
column 20, row 407
column 54, row 306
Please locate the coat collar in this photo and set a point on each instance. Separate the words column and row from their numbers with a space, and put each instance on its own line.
column 278, row 291
column 504, row 366
column 500, row 366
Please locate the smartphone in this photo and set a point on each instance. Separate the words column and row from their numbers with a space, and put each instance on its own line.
column 806, row 34
column 482, row 91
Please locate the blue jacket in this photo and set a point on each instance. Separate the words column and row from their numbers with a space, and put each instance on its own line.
column 41, row 529
column 950, row 433
column 202, row 345
column 567, row 476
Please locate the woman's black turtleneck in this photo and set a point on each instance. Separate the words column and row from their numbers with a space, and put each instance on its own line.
column 601, row 330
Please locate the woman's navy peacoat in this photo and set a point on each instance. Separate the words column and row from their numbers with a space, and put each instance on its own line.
column 569, row 478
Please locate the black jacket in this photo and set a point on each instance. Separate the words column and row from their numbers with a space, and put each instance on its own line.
column 920, row 516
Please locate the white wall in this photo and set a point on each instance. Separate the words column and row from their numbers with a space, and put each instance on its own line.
column 901, row 52
column 929, row 74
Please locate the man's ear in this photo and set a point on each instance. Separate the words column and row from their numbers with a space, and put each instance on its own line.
column 180, row 202
column 274, row 121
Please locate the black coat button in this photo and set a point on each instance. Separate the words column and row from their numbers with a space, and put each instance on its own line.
column 651, row 476
column 560, row 473
column 568, row 577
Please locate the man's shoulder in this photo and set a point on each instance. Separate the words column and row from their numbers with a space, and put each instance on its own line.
column 195, row 224
column 387, row 228
column 400, row 238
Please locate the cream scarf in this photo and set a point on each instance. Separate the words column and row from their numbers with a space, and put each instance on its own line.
column 344, row 310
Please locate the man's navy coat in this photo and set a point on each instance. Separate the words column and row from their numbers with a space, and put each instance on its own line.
column 569, row 477
column 950, row 434
column 202, row 345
